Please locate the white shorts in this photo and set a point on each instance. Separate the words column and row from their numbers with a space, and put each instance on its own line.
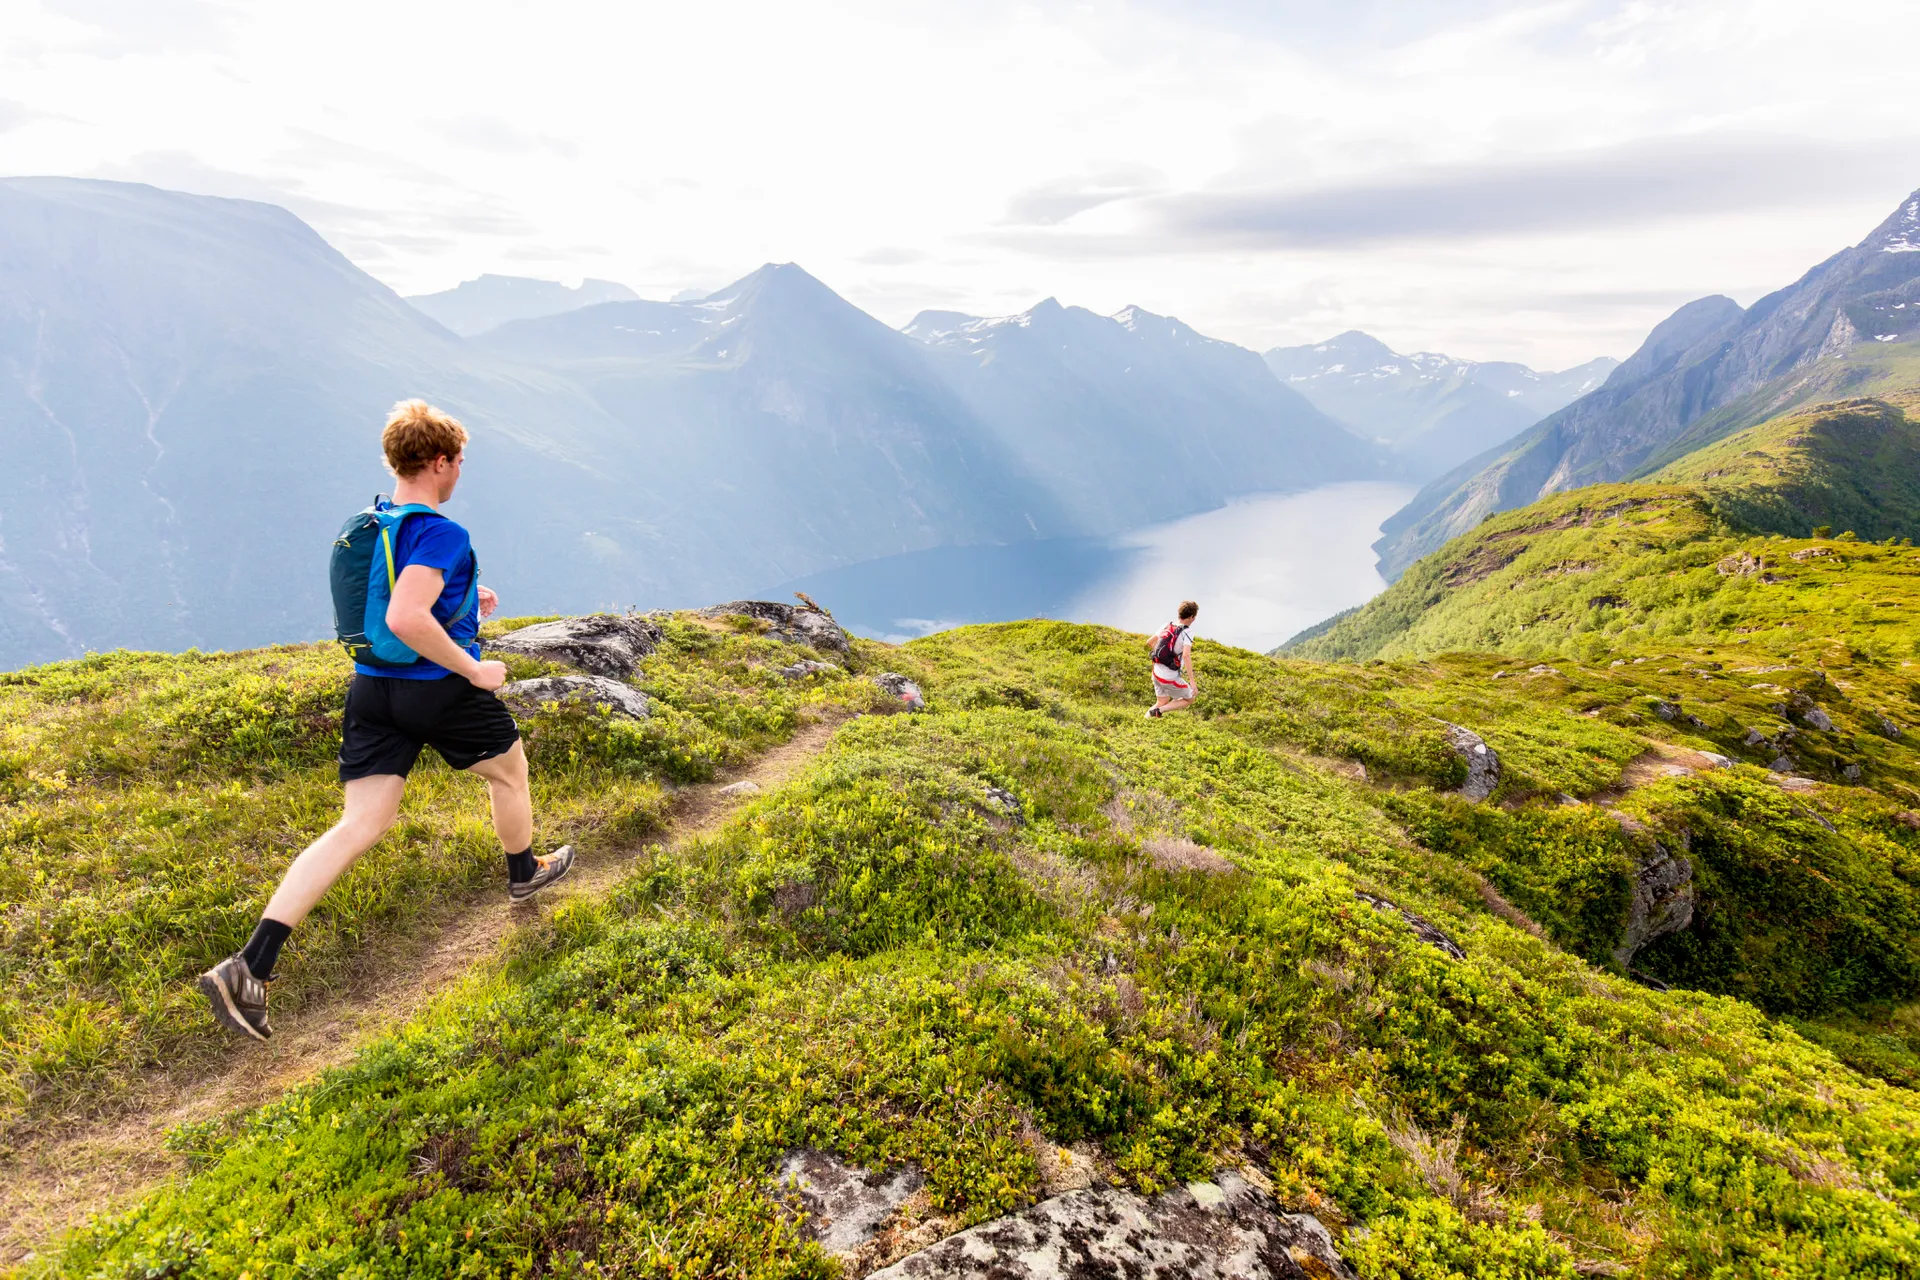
column 1176, row 686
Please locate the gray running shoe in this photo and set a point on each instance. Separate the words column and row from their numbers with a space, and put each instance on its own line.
column 552, row 868
column 238, row 998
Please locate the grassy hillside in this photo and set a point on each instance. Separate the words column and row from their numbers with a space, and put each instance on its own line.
column 1153, row 955
column 149, row 803
column 1759, row 540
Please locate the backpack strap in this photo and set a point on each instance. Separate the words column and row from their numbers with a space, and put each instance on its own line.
column 388, row 526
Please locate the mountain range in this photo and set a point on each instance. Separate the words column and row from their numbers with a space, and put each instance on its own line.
column 1710, row 369
column 1433, row 411
column 192, row 388
column 489, row 301
column 1133, row 417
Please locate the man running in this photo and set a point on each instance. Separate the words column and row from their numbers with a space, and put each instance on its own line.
column 444, row 701
column 1173, row 688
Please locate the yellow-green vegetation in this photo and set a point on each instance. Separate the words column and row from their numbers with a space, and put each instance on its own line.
column 148, row 804
column 888, row 959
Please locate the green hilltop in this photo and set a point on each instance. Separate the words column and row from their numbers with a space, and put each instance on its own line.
column 1023, row 926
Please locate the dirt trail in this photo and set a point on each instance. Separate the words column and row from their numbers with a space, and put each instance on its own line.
column 58, row 1181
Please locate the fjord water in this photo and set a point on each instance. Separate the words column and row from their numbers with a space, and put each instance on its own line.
column 1263, row 568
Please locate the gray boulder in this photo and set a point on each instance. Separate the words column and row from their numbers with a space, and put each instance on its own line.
column 804, row 668
column 620, row 699
column 601, row 644
column 841, row 1205
column 1662, row 892
column 911, row 699
column 794, row 624
column 1483, row 762
column 1424, row 929
column 1224, row 1230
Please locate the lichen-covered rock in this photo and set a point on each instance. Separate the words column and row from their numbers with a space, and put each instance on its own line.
column 1424, row 929
column 794, row 624
column 1483, row 762
column 1663, row 896
column 905, row 690
column 746, row 788
column 842, row 1206
column 601, row 644
column 1224, row 1230
column 621, row 699
column 804, row 668
column 1008, row 804
column 1817, row 718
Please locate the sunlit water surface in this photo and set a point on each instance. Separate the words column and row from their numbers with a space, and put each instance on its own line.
column 1263, row 569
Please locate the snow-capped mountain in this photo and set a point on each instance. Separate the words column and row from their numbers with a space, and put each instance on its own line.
column 1434, row 411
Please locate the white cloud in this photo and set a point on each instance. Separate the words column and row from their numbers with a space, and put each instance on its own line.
column 1231, row 162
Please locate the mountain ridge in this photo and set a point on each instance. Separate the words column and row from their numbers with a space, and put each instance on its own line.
column 1433, row 410
column 1701, row 359
column 488, row 301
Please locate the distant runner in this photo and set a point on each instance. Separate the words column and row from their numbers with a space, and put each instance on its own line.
column 1173, row 687
column 418, row 681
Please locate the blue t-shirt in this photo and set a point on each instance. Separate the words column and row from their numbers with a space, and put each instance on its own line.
column 438, row 543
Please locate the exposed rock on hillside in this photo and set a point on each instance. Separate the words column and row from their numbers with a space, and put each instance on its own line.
column 793, row 624
column 601, row 644
column 911, row 699
column 1483, row 762
column 843, row 1205
column 1223, row 1230
column 621, row 699
column 1663, row 894
column 1424, row 929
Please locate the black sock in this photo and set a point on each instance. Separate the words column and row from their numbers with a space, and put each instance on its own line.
column 521, row 866
column 263, row 948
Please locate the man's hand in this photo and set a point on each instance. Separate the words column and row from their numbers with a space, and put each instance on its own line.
column 488, row 675
column 488, row 602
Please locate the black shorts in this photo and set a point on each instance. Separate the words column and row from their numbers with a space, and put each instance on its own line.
column 388, row 721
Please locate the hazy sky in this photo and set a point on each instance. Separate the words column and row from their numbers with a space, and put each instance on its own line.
column 1496, row 180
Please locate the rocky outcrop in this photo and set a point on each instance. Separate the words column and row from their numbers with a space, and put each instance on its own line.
column 793, row 624
column 601, row 644
column 1224, row 1230
column 842, row 1206
column 804, row 668
column 908, row 693
column 620, row 699
column 1662, row 901
column 1424, row 929
column 1483, row 762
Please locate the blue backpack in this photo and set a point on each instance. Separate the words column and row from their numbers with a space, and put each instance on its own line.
column 362, row 573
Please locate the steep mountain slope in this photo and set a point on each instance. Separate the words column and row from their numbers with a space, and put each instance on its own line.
column 1134, row 417
column 794, row 430
column 1695, row 551
column 189, row 391
column 1433, row 410
column 475, row 306
column 1801, row 341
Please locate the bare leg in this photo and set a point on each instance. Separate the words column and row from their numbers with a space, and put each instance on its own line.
column 372, row 805
column 1180, row 705
column 506, row 776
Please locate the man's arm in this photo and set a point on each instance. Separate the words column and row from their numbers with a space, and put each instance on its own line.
column 410, row 617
